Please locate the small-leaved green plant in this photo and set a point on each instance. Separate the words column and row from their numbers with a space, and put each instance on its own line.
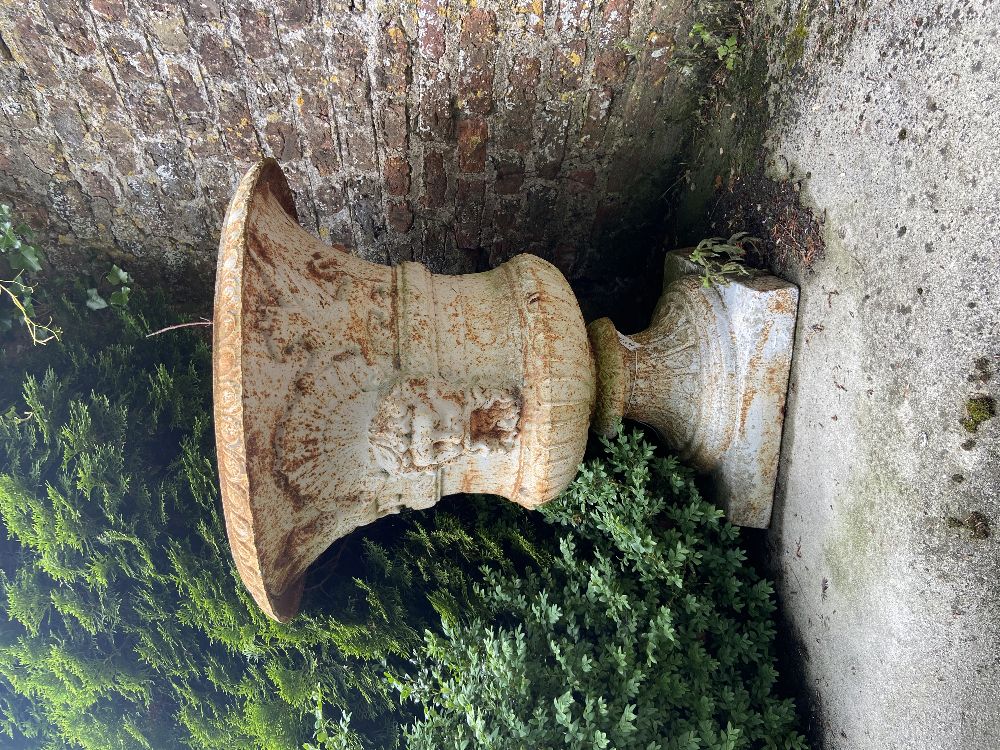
column 120, row 290
column 648, row 629
column 123, row 621
column 629, row 48
column 330, row 735
column 21, row 259
column 720, row 259
column 726, row 48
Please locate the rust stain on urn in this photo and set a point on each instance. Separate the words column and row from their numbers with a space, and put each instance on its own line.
column 756, row 372
column 368, row 398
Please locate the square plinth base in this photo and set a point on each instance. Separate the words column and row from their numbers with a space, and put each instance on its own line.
column 762, row 311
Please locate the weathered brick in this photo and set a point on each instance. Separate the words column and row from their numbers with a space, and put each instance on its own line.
column 109, row 10
column 170, row 31
column 218, row 183
column 479, row 28
column 400, row 216
column 628, row 164
column 322, row 147
column 525, row 73
column 73, row 28
column 184, row 91
column 72, row 206
column 304, row 51
column 519, row 111
column 595, row 120
column 568, row 64
column 477, row 40
column 648, row 86
column 582, row 180
column 469, row 212
column 215, row 58
column 67, row 120
column 394, row 126
column 431, row 34
column 346, row 74
column 329, row 200
column 20, row 116
column 33, row 43
column 120, row 147
column 76, row 39
column 173, row 171
column 283, row 139
column 434, row 116
column 510, row 175
column 99, row 89
column 435, row 246
column 435, row 180
column 203, row 139
column 615, row 18
column 505, row 215
column 258, row 38
column 539, row 207
column 359, row 145
column 97, row 185
column 607, row 216
column 237, row 127
column 611, row 67
column 550, row 148
column 203, row 10
column 532, row 15
column 397, row 175
column 574, row 16
column 295, row 13
column 131, row 59
column 304, row 201
column 473, row 134
column 336, row 113
column 611, row 62
column 393, row 72
column 151, row 110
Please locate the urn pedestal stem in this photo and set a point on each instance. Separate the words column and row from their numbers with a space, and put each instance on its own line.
column 710, row 376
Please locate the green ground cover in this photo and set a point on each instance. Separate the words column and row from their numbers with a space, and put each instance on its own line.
column 622, row 616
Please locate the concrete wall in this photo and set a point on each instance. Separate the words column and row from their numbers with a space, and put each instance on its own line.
column 885, row 532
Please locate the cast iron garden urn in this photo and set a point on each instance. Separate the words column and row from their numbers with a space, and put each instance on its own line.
column 346, row 390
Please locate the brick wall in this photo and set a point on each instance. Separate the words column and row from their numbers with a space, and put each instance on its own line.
column 453, row 133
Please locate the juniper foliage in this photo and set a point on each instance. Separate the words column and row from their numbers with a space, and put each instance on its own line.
column 647, row 630
column 123, row 623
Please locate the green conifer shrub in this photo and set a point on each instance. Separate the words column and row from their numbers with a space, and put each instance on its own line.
column 123, row 623
column 647, row 630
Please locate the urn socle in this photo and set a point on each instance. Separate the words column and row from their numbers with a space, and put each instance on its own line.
column 346, row 390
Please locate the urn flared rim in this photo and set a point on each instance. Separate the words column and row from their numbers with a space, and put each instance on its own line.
column 242, row 520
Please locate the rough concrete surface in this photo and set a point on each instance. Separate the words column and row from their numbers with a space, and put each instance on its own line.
column 886, row 531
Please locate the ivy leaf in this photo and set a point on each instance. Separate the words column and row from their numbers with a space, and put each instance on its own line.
column 24, row 257
column 117, row 276
column 120, row 298
column 95, row 301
